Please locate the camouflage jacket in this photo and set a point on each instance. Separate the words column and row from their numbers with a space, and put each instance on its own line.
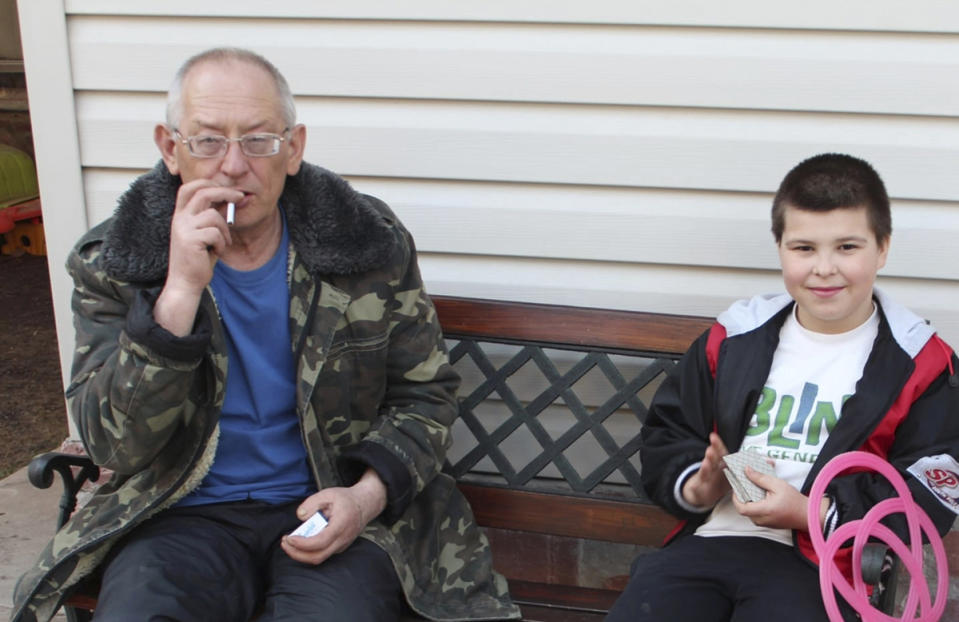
column 374, row 387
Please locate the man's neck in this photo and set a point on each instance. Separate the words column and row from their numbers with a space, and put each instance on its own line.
column 252, row 248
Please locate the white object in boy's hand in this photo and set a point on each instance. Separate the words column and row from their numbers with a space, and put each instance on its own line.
column 735, row 472
column 311, row 526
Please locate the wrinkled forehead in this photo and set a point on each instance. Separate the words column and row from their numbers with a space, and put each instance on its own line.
column 217, row 91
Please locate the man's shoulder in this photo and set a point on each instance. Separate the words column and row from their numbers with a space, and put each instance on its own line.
column 87, row 248
column 94, row 235
column 338, row 230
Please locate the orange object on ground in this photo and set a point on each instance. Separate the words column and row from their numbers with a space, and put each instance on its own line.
column 26, row 236
column 10, row 215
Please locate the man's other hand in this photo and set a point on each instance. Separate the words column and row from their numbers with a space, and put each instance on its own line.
column 348, row 511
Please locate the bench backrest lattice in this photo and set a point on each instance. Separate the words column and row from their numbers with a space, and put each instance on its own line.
column 547, row 444
column 624, row 380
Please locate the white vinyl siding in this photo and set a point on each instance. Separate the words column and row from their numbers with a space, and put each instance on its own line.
column 616, row 154
column 892, row 15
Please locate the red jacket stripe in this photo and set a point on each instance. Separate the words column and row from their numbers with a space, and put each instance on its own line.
column 931, row 360
column 717, row 334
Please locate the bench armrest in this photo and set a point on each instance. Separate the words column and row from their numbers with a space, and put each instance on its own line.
column 880, row 569
column 74, row 470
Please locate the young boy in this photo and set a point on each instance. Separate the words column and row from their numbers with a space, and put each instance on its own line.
column 830, row 367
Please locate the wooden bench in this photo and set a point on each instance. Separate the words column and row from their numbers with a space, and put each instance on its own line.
column 546, row 445
column 563, row 528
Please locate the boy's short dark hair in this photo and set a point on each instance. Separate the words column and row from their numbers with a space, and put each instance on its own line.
column 831, row 181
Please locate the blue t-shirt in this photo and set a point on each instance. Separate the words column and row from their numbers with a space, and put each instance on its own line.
column 260, row 454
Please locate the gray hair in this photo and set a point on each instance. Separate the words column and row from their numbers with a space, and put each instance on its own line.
column 174, row 102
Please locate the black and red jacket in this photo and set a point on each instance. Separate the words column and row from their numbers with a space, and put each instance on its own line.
column 905, row 408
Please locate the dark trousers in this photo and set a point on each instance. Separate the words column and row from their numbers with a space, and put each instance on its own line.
column 722, row 579
column 224, row 562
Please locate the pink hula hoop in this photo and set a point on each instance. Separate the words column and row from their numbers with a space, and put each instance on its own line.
column 832, row 580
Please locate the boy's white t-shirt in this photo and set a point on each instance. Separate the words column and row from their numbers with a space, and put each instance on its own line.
column 812, row 374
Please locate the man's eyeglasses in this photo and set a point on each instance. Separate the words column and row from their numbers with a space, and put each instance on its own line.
column 215, row 145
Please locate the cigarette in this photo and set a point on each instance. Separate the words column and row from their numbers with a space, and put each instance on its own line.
column 230, row 213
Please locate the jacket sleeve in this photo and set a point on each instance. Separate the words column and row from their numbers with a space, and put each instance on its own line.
column 407, row 447
column 930, row 429
column 676, row 432
column 130, row 378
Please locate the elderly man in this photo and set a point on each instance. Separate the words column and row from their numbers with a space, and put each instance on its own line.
column 254, row 346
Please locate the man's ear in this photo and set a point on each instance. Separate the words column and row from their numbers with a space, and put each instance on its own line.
column 297, row 144
column 166, row 143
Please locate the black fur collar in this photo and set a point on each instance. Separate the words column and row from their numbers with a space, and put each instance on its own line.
column 334, row 229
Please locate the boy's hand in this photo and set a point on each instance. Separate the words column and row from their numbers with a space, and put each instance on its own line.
column 783, row 508
column 707, row 485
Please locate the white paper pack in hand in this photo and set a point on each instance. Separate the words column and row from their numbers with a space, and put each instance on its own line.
column 735, row 472
column 311, row 526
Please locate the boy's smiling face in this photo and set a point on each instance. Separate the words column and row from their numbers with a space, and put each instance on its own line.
column 829, row 261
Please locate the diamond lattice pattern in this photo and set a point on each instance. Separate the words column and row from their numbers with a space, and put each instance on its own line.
column 560, row 416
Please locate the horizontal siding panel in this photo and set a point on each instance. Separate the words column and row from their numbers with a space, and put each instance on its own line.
column 101, row 189
column 610, row 224
column 594, row 145
column 780, row 70
column 920, row 15
column 638, row 225
column 658, row 289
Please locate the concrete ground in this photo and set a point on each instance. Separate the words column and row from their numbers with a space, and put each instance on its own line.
column 27, row 520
